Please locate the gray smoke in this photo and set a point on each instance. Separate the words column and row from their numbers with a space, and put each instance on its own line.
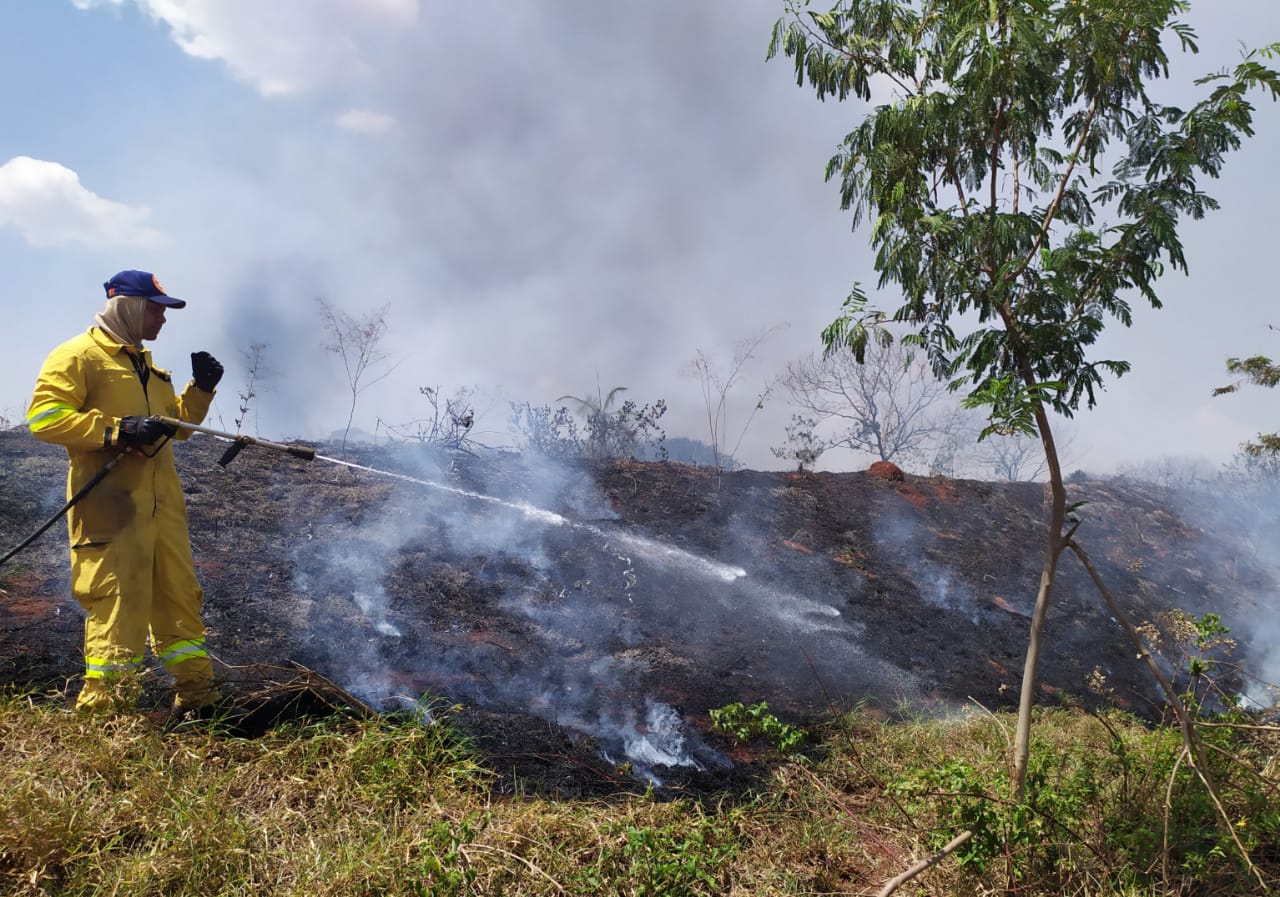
column 1238, row 512
column 584, row 677
column 587, row 605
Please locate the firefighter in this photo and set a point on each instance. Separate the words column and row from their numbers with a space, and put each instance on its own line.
column 99, row 395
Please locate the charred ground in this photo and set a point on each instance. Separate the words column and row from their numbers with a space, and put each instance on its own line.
column 585, row 615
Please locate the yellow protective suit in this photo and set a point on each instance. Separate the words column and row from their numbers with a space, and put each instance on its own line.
column 131, row 565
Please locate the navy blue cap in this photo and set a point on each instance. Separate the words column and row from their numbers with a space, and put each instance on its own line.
column 141, row 283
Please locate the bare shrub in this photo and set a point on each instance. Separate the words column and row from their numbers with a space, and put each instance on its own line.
column 448, row 423
column 357, row 341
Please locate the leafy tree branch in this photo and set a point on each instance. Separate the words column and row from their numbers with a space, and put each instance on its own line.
column 1070, row 183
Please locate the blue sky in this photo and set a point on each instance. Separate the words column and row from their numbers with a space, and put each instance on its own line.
column 545, row 194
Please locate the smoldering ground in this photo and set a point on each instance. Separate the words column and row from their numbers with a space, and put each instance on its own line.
column 572, row 614
column 1237, row 512
column 609, row 600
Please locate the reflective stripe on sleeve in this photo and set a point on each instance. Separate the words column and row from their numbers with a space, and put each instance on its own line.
column 47, row 415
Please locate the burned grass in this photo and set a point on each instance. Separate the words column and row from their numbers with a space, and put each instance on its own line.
column 587, row 617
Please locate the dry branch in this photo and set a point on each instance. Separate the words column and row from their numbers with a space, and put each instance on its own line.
column 1191, row 739
column 928, row 862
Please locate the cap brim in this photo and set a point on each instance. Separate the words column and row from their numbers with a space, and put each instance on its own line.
column 168, row 301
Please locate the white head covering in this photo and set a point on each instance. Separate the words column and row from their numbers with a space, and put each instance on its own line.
column 122, row 318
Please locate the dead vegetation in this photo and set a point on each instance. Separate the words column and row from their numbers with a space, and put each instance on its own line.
column 582, row 594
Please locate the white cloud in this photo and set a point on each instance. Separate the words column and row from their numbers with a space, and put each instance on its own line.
column 364, row 121
column 46, row 203
column 280, row 47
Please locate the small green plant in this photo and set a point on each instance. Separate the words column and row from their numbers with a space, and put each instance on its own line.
column 744, row 723
column 803, row 446
column 1200, row 649
column 964, row 803
column 442, row 860
column 659, row 861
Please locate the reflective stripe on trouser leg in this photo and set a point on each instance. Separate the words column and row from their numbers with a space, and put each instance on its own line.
column 192, row 670
column 177, row 630
column 187, row 649
column 110, row 684
column 115, row 629
column 105, row 668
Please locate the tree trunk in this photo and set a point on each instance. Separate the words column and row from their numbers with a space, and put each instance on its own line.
column 1055, row 543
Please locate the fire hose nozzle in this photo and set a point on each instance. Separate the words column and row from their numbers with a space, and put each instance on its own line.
column 233, row 449
column 239, row 441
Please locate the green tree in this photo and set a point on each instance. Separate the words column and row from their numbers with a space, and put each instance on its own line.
column 1021, row 185
column 1259, row 371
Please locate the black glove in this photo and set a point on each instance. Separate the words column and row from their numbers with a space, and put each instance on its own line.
column 143, row 430
column 206, row 371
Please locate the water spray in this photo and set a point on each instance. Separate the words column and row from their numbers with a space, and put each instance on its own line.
column 650, row 548
column 664, row 554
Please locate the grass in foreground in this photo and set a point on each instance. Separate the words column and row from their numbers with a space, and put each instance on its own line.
column 92, row 807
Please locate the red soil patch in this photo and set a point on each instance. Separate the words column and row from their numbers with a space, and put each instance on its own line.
column 28, row 609
column 912, row 495
column 886, row 470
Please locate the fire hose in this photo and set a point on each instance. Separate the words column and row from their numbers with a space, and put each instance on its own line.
column 84, row 490
column 238, row 443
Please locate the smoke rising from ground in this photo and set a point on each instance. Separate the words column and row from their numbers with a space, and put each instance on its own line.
column 1240, row 508
column 598, row 601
